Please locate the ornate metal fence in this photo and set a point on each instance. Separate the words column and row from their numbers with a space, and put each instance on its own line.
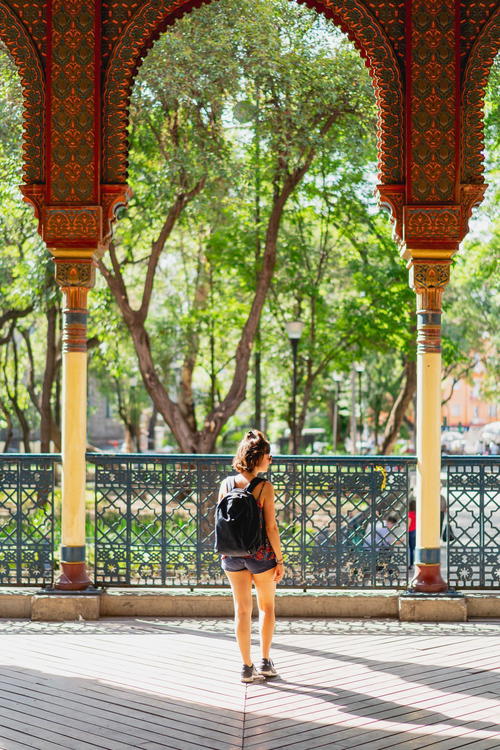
column 154, row 518
column 473, row 498
column 26, row 520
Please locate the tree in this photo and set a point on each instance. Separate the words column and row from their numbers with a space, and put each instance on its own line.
column 472, row 300
column 345, row 281
column 308, row 88
column 27, row 288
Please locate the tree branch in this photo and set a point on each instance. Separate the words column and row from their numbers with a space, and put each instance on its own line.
column 15, row 315
column 158, row 245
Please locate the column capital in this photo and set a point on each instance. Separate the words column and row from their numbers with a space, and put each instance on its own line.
column 74, row 272
column 429, row 277
column 75, row 276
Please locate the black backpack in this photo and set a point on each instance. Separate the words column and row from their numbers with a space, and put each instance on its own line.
column 239, row 522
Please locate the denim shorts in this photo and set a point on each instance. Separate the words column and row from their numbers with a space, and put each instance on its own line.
column 235, row 564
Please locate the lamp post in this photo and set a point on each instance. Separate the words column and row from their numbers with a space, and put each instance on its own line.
column 354, row 439
column 360, row 368
column 337, row 379
column 294, row 330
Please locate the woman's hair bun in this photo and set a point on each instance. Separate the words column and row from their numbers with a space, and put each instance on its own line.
column 251, row 451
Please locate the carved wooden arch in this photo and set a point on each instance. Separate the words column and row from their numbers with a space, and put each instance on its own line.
column 474, row 84
column 351, row 16
column 27, row 61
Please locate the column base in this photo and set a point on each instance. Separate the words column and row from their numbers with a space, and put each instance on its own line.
column 73, row 577
column 428, row 579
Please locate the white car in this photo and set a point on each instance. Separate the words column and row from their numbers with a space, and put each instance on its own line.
column 453, row 442
column 489, row 438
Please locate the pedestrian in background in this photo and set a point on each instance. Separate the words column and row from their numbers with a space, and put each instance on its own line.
column 412, row 530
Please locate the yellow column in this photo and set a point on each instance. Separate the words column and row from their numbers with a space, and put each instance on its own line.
column 75, row 277
column 428, row 278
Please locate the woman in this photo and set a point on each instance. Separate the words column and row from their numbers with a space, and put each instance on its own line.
column 264, row 568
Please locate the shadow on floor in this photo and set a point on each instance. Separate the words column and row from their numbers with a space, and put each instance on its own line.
column 42, row 711
column 46, row 711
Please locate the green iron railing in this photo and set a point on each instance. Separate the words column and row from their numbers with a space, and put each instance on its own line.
column 152, row 522
column 26, row 519
column 473, row 535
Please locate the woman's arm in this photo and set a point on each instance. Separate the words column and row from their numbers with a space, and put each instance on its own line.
column 272, row 531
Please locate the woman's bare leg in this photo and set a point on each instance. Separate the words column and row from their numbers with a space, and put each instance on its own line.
column 241, row 585
column 266, row 591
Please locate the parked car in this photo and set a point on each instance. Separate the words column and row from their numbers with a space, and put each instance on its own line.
column 489, row 439
column 452, row 442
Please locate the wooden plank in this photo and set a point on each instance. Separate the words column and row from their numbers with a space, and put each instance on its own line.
column 108, row 724
column 175, row 686
column 10, row 741
column 119, row 703
column 52, row 728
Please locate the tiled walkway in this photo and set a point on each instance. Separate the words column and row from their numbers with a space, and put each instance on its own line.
column 156, row 684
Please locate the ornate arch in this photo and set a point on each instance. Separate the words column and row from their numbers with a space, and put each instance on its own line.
column 27, row 60
column 474, row 85
column 351, row 16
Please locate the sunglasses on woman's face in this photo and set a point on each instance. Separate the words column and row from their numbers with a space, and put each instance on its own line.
column 270, row 458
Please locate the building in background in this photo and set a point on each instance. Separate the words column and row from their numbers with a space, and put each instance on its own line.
column 467, row 407
column 469, row 419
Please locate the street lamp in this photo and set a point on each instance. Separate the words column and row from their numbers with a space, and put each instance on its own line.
column 337, row 378
column 360, row 368
column 294, row 330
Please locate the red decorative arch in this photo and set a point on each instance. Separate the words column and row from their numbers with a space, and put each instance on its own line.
column 474, row 84
column 351, row 16
column 27, row 60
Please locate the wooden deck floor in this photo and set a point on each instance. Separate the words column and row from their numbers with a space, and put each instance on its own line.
column 156, row 684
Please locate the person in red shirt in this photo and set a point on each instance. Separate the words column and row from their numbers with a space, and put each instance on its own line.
column 412, row 529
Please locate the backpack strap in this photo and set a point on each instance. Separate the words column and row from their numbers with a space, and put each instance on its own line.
column 229, row 484
column 262, row 489
column 254, row 483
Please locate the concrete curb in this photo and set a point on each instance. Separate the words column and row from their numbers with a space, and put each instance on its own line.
column 36, row 605
column 432, row 609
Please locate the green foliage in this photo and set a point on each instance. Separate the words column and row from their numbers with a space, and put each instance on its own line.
column 254, row 101
column 472, row 300
column 229, row 102
column 26, row 286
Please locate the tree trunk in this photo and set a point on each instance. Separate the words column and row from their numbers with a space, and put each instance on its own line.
column 49, row 430
column 151, row 428
column 14, row 399
column 203, row 440
column 129, row 440
column 55, row 436
column 169, row 410
column 10, row 428
column 376, row 427
column 400, row 406
column 46, row 420
column 25, row 427
column 306, row 398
